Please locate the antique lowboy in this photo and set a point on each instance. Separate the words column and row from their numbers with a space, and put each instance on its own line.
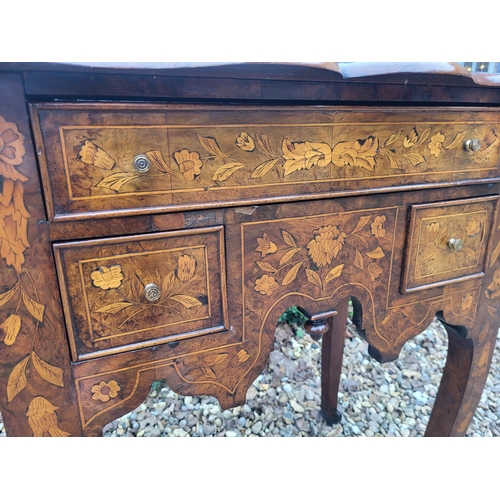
column 156, row 220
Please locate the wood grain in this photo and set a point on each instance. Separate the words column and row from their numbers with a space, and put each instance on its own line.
column 178, row 267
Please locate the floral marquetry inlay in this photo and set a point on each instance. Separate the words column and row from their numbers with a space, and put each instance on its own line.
column 280, row 155
column 105, row 391
column 448, row 241
column 22, row 311
column 295, row 253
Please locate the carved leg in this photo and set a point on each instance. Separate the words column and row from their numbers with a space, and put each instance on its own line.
column 463, row 379
column 331, row 364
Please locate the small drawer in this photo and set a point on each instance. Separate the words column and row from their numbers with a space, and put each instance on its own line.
column 447, row 242
column 131, row 292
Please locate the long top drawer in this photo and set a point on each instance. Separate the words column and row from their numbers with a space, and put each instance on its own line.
column 120, row 159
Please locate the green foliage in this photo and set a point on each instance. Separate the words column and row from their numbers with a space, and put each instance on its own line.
column 293, row 317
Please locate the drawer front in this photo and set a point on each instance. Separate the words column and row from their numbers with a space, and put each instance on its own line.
column 124, row 293
column 447, row 242
column 122, row 159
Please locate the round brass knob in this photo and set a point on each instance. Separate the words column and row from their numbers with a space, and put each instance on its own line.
column 472, row 145
column 152, row 292
column 456, row 244
column 142, row 163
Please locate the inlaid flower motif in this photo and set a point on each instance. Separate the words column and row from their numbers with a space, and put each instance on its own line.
column 11, row 143
column 473, row 228
column 91, row 154
column 377, row 226
column 305, row 155
column 43, row 420
column 245, row 142
column 13, row 214
column 266, row 285
column 266, row 246
column 189, row 163
column 186, row 266
column 433, row 231
column 326, row 245
column 356, row 153
column 11, row 327
column 104, row 391
column 493, row 289
column 107, row 277
column 466, row 302
column 436, row 144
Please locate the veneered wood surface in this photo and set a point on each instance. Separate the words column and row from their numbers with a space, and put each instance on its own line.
column 205, row 156
column 325, row 244
column 429, row 258
column 104, row 286
column 37, row 395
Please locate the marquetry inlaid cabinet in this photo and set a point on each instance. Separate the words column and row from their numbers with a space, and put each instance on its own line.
column 156, row 220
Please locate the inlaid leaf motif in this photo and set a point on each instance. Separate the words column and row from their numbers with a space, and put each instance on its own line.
column 210, row 144
column 291, row 274
column 242, row 355
column 5, row 297
column 136, row 288
column 288, row 255
column 456, row 142
column 264, row 168
column 423, row 136
column 378, row 253
column 362, row 222
column 208, row 372
column 495, row 254
column 117, row 181
column 314, row 278
column 224, row 172
column 51, row 374
column 492, row 311
column 393, row 159
column 158, row 161
column 11, row 326
column 34, row 308
column 213, row 359
column 288, row 238
column 114, row 308
column 374, row 270
column 392, row 138
column 358, row 261
column 186, row 300
column 17, row 379
column 488, row 140
column 334, row 273
column 168, row 284
column 263, row 144
column 414, row 158
column 265, row 266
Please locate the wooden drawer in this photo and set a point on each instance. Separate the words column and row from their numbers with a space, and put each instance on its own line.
column 447, row 242
column 125, row 293
column 121, row 159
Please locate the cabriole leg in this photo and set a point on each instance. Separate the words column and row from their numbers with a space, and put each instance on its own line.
column 333, row 350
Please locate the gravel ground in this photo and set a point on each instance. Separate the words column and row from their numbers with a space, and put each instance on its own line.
column 394, row 399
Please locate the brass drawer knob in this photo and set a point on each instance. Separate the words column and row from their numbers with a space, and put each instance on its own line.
column 456, row 244
column 152, row 292
column 472, row 145
column 142, row 163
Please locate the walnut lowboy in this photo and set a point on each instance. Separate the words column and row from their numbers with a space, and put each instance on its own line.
column 153, row 240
